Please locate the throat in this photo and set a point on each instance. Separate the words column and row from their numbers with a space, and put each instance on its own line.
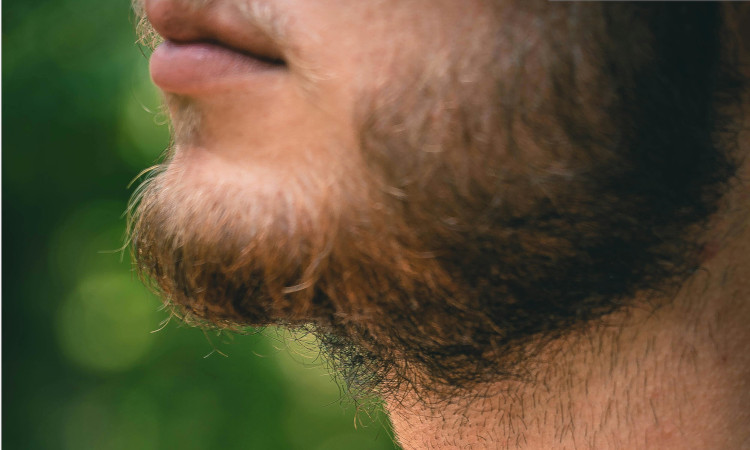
column 669, row 379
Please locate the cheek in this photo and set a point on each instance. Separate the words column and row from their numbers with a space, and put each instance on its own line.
column 353, row 49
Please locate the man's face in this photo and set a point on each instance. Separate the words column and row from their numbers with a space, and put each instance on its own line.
column 430, row 184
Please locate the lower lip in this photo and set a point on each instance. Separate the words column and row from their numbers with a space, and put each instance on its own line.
column 200, row 67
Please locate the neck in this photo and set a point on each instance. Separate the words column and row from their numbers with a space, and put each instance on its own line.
column 677, row 377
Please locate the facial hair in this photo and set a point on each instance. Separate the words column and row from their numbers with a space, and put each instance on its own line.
column 478, row 219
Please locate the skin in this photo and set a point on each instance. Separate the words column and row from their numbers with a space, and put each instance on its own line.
column 345, row 195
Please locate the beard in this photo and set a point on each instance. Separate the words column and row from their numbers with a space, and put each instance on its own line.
column 477, row 220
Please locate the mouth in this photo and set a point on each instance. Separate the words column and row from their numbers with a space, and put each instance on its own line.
column 193, row 68
column 269, row 57
column 213, row 46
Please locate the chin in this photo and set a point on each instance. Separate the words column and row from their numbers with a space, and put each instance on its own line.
column 447, row 236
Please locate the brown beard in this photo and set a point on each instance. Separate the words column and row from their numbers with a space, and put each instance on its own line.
column 476, row 220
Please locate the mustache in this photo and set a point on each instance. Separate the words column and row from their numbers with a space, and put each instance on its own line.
column 270, row 22
column 255, row 14
column 146, row 35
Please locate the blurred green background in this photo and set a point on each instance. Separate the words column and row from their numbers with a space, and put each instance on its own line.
column 82, row 368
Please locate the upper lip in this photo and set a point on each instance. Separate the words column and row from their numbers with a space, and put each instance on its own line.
column 214, row 22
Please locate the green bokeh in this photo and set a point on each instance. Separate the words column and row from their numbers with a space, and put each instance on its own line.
column 84, row 364
column 101, row 328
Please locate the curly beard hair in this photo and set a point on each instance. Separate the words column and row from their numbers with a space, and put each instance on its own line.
column 478, row 220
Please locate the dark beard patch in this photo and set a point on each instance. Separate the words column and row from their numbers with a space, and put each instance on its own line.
column 537, row 209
